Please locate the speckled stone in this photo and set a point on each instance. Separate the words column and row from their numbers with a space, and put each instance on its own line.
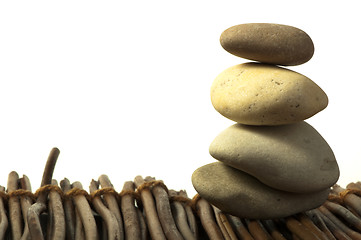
column 262, row 94
column 293, row 157
column 269, row 43
column 242, row 195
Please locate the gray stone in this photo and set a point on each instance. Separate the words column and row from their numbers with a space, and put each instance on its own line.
column 242, row 195
column 269, row 43
column 293, row 158
column 261, row 94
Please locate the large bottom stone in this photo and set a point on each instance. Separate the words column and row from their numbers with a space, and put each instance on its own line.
column 242, row 195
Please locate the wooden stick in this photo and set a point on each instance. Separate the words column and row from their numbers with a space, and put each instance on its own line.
column 192, row 221
column 112, row 203
column 25, row 202
column 350, row 199
column 351, row 233
column 299, row 229
column 34, row 222
column 85, row 213
column 180, row 217
column 316, row 217
column 154, row 226
column 239, row 227
column 131, row 220
column 306, row 221
column 112, row 227
column 206, row 216
column 143, row 225
column 227, row 225
column 69, row 210
column 56, row 212
column 14, row 207
column 3, row 218
column 355, row 186
column 164, row 212
column 272, row 230
column 343, row 212
column 336, row 231
column 257, row 230
column 79, row 232
column 37, row 208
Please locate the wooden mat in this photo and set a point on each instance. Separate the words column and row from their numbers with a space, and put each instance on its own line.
column 147, row 209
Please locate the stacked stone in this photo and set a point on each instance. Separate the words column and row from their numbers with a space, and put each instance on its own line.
column 271, row 163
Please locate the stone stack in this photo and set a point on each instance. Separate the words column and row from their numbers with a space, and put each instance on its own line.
column 271, row 163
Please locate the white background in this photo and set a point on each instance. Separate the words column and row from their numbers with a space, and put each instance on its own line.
column 122, row 87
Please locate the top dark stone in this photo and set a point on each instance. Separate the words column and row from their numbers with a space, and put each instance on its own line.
column 268, row 43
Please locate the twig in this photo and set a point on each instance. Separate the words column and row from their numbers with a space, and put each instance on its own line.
column 112, row 203
column 154, row 226
column 351, row 233
column 257, row 230
column 3, row 218
column 68, row 210
column 131, row 220
column 143, row 225
column 336, row 231
column 192, row 221
column 37, row 208
column 85, row 213
column 112, row 227
column 272, row 230
column 14, row 207
column 315, row 216
column 355, row 186
column 206, row 216
column 56, row 212
column 224, row 225
column 299, row 229
column 34, row 222
column 180, row 217
column 79, row 228
column 239, row 227
column 349, row 199
column 165, row 214
column 306, row 221
column 26, row 203
column 344, row 213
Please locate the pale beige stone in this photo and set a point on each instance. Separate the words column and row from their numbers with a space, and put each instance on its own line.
column 242, row 195
column 261, row 94
column 269, row 43
column 293, row 157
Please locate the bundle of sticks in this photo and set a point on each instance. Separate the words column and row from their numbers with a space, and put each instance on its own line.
column 147, row 209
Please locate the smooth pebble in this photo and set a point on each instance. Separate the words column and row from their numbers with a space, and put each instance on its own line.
column 242, row 195
column 269, row 43
column 262, row 94
column 293, row 158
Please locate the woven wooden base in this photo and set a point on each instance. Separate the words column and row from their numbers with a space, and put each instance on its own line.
column 147, row 209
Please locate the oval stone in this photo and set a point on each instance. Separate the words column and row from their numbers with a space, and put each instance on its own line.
column 242, row 195
column 262, row 94
column 293, row 158
column 268, row 43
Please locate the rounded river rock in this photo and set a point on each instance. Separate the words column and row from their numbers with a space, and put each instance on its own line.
column 262, row 94
column 293, row 158
column 269, row 43
column 242, row 195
